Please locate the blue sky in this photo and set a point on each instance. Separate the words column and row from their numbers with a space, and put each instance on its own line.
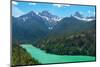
column 61, row 10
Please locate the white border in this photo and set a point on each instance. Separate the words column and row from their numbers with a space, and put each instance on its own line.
column 4, row 33
column 89, row 2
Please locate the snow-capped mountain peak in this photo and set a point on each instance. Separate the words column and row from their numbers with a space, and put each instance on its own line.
column 50, row 18
column 79, row 16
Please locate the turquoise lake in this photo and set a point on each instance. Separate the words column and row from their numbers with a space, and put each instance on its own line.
column 46, row 58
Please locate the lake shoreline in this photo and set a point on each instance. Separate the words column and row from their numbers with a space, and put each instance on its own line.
column 46, row 58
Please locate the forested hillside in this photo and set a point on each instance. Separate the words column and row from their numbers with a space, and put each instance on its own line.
column 80, row 43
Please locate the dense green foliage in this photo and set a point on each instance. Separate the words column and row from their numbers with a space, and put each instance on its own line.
column 80, row 43
column 21, row 57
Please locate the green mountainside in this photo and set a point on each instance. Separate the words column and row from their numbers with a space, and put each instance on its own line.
column 21, row 57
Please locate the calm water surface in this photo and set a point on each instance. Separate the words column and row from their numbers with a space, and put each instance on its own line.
column 46, row 58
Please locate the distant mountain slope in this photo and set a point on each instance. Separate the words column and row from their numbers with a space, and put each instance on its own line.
column 28, row 27
column 71, row 24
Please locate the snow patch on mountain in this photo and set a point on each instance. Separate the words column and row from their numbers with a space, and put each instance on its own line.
column 25, row 18
column 84, row 19
column 50, row 28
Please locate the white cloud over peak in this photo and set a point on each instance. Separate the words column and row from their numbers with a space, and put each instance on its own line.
column 57, row 5
column 32, row 3
column 67, row 5
column 90, row 12
column 61, row 5
column 14, row 3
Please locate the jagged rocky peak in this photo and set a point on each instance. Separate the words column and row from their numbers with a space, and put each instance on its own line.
column 78, row 14
column 31, row 13
column 47, row 14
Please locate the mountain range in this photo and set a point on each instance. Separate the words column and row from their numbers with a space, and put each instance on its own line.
column 35, row 26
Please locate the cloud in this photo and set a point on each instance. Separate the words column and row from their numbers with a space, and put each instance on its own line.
column 90, row 12
column 32, row 3
column 67, row 5
column 61, row 5
column 16, row 12
column 93, row 13
column 57, row 5
column 80, row 12
column 14, row 3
